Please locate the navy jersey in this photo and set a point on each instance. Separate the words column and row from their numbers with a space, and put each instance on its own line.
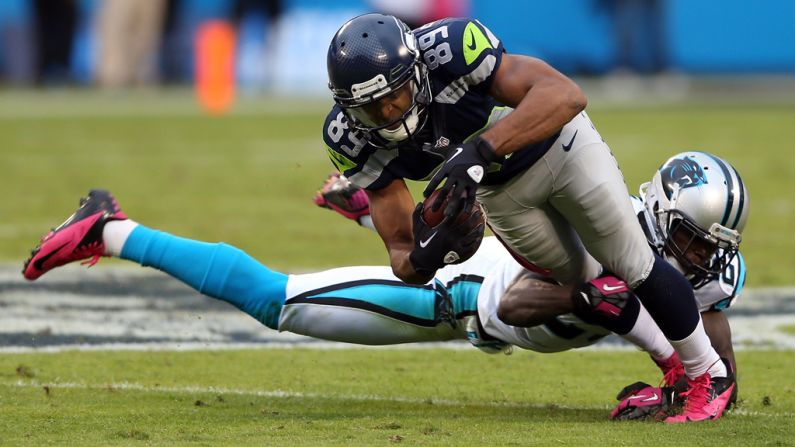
column 462, row 57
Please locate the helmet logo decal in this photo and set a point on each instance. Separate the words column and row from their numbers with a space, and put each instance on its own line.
column 369, row 87
column 684, row 172
column 474, row 42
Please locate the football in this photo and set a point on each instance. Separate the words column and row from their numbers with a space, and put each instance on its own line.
column 434, row 218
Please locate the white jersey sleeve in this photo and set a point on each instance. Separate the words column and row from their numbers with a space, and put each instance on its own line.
column 723, row 291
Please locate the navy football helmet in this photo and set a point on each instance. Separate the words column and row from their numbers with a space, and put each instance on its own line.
column 699, row 202
column 370, row 57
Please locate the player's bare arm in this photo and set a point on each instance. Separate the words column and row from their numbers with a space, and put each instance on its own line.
column 544, row 100
column 391, row 208
column 720, row 334
column 529, row 301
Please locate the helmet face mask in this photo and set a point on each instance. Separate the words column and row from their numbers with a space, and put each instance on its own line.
column 700, row 206
column 700, row 254
column 412, row 94
column 374, row 59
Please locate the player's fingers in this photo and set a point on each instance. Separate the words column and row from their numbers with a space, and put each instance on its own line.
column 469, row 200
column 472, row 237
column 444, row 192
column 434, row 182
column 418, row 220
column 456, row 202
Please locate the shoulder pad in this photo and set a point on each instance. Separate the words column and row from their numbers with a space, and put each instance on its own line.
column 457, row 47
column 722, row 292
column 345, row 146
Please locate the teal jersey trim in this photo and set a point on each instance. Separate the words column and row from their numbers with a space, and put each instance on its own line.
column 741, row 279
column 463, row 292
column 400, row 298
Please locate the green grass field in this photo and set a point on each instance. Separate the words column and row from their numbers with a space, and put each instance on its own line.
column 248, row 178
column 367, row 397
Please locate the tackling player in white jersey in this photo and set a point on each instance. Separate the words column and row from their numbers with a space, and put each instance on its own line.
column 684, row 216
column 363, row 305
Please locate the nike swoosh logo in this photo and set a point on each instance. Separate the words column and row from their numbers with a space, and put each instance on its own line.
column 458, row 151
column 653, row 397
column 567, row 147
column 609, row 288
column 40, row 262
column 644, row 397
column 472, row 45
column 425, row 243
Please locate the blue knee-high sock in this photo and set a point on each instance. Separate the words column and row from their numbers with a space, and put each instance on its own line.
column 668, row 296
column 218, row 270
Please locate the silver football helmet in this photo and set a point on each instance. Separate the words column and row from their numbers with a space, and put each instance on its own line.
column 699, row 205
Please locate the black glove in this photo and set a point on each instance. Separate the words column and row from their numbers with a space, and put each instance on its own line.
column 464, row 168
column 450, row 242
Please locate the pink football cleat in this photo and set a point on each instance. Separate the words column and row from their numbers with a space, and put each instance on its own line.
column 705, row 399
column 80, row 237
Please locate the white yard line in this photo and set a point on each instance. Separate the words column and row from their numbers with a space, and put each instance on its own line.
column 129, row 386
column 279, row 394
column 209, row 346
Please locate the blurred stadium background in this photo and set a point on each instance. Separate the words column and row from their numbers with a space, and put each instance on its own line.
column 203, row 117
column 280, row 44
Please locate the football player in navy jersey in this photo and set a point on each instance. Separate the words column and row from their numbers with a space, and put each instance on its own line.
column 447, row 103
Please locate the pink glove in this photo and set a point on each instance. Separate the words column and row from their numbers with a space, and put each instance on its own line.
column 641, row 401
column 342, row 196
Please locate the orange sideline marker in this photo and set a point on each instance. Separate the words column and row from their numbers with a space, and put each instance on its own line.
column 215, row 62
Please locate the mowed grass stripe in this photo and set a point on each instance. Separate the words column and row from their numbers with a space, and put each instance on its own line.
column 306, row 397
column 128, row 386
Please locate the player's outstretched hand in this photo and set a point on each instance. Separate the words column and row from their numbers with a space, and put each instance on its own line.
column 464, row 168
column 641, row 401
column 342, row 196
column 452, row 241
